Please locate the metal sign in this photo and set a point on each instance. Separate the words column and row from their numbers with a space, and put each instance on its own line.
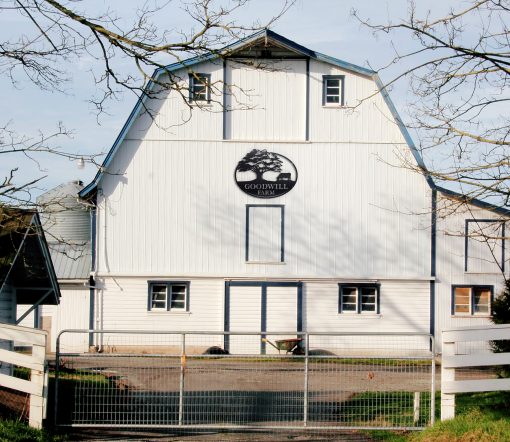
column 264, row 174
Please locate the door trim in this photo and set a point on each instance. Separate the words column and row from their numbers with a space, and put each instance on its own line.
column 263, row 314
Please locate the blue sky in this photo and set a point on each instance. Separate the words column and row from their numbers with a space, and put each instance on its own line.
column 323, row 25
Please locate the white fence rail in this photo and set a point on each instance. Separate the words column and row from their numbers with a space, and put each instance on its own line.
column 37, row 386
column 451, row 361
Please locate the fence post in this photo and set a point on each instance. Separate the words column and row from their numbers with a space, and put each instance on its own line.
column 37, row 377
column 447, row 375
column 305, row 395
column 433, row 383
column 181, row 380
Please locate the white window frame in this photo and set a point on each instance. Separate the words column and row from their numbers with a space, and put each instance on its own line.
column 472, row 288
column 168, row 301
column 341, row 89
column 359, row 304
column 206, row 80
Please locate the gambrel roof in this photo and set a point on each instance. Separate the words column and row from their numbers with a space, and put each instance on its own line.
column 251, row 41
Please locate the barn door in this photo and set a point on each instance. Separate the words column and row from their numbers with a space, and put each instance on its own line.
column 260, row 307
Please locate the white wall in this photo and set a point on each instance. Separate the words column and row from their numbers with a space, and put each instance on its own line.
column 72, row 313
column 177, row 210
column 450, row 263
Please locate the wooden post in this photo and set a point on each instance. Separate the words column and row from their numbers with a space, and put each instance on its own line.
column 447, row 375
column 37, row 378
column 416, row 407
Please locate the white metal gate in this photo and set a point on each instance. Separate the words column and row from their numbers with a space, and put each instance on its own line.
column 174, row 384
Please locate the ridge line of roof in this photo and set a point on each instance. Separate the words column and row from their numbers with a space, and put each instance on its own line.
column 198, row 59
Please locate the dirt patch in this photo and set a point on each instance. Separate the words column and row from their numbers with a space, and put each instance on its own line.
column 14, row 404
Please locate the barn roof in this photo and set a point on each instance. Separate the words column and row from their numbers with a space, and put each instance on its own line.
column 251, row 41
column 25, row 261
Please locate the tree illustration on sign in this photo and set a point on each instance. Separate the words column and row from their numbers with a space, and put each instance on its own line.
column 260, row 162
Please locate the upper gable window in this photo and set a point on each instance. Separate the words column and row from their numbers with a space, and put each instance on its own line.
column 333, row 90
column 199, row 87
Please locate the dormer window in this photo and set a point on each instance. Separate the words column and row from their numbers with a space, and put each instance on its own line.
column 199, row 87
column 333, row 90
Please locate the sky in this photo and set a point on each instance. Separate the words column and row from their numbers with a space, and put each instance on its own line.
column 327, row 26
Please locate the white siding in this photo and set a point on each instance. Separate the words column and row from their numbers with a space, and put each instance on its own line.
column 351, row 214
column 404, row 307
column 122, row 304
column 450, row 264
column 245, row 316
column 73, row 312
column 269, row 103
column 281, row 314
column 171, row 117
column 264, row 236
column 365, row 117
column 484, row 246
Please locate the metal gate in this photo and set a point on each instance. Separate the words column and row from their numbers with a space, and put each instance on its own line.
column 317, row 381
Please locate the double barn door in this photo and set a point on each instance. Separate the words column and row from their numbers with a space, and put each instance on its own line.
column 261, row 307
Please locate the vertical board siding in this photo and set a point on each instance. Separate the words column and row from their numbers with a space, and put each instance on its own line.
column 73, row 312
column 175, row 209
column 122, row 305
column 245, row 316
column 484, row 246
column 267, row 103
column 364, row 116
column 281, row 313
column 170, row 116
column 450, row 266
column 404, row 307
column 264, row 234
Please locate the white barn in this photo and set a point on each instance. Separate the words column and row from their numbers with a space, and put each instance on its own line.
column 271, row 201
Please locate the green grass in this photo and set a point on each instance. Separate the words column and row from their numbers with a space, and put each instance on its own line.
column 15, row 431
column 480, row 417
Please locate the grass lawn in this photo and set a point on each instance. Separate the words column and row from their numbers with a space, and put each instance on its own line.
column 480, row 417
column 15, row 431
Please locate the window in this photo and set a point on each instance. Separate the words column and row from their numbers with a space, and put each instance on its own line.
column 484, row 246
column 200, row 87
column 470, row 300
column 265, row 233
column 333, row 90
column 358, row 298
column 168, row 296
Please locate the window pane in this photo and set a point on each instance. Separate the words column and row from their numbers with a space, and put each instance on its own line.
column 368, row 299
column 178, row 297
column 462, row 299
column 333, row 82
column 349, row 299
column 482, row 299
column 199, row 85
column 332, row 99
column 158, row 296
column 333, row 91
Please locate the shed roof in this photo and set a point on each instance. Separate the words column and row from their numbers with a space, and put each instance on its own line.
column 25, row 261
column 71, row 261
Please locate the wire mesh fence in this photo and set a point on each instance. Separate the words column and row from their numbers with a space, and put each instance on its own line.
column 246, row 380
